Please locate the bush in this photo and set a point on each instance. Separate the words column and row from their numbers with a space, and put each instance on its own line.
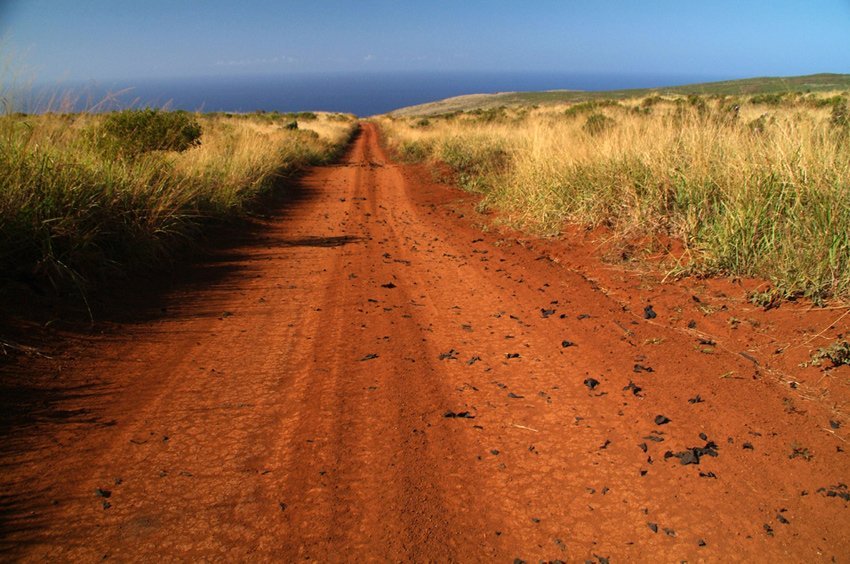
column 767, row 99
column 597, row 123
column 840, row 117
column 413, row 151
column 133, row 132
column 588, row 107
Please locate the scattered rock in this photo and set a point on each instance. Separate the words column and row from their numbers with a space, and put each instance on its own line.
column 653, row 527
column 369, row 356
column 638, row 368
column 748, row 446
column 839, row 490
column 696, row 399
column 636, row 390
column 701, row 542
column 649, row 313
column 692, row 455
column 544, row 313
column 661, row 420
column 282, row 506
column 388, row 285
column 566, row 344
column 473, row 360
column 450, row 355
column 591, row 383
column 643, row 447
column 515, row 396
column 669, row 532
column 458, row 415
column 512, row 355
column 768, row 529
column 834, row 424
column 707, row 475
column 781, row 518
column 103, row 493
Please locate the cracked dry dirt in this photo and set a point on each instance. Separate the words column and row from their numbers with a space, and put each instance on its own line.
column 368, row 375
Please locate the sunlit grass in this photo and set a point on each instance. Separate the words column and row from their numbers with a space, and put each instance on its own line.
column 751, row 187
column 69, row 210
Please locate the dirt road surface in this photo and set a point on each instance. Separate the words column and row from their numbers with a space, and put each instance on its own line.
column 369, row 376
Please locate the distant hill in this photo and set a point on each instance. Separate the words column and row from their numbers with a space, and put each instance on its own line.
column 764, row 85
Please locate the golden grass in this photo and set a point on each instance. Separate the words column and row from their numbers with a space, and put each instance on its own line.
column 68, row 211
column 762, row 190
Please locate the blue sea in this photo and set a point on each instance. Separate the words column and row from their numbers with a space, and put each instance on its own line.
column 362, row 94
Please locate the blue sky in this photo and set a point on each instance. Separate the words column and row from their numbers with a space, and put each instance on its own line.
column 119, row 39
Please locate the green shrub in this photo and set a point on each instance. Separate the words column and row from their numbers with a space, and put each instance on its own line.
column 133, row 132
column 840, row 116
column 767, row 99
column 598, row 123
column 588, row 107
column 290, row 125
column 759, row 125
column 698, row 103
column 650, row 101
column 816, row 102
column 413, row 151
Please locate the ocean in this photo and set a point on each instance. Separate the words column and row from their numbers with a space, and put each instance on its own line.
column 363, row 94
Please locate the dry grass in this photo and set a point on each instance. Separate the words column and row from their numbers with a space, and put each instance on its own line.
column 68, row 211
column 763, row 190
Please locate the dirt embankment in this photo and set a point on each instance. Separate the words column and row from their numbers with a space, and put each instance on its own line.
column 371, row 376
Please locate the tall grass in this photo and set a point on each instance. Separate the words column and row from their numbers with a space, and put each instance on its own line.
column 755, row 188
column 70, row 210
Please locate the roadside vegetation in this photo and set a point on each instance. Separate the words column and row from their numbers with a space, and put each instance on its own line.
column 86, row 195
column 754, row 185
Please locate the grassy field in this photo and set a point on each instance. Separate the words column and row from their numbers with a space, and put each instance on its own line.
column 746, row 87
column 83, row 195
column 752, row 185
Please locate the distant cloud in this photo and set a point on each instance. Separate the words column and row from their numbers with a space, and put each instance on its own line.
column 369, row 57
column 256, row 62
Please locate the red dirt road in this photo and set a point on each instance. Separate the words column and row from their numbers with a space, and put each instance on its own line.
column 295, row 406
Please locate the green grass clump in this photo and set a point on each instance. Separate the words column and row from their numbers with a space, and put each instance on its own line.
column 840, row 116
column 133, row 132
column 413, row 151
column 589, row 107
column 838, row 353
column 774, row 99
column 598, row 123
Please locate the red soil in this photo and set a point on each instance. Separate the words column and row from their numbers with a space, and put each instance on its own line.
column 293, row 406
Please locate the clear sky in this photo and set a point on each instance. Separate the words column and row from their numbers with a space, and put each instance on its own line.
column 74, row 40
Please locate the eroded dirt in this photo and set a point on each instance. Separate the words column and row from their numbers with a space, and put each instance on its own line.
column 372, row 377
